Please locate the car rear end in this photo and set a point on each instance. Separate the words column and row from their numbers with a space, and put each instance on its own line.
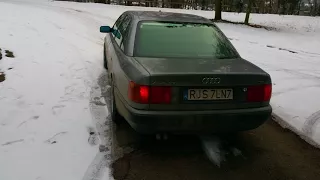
column 216, row 92
column 199, row 108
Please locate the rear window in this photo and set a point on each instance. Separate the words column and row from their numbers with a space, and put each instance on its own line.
column 188, row 40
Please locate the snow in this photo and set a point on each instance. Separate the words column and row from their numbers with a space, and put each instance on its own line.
column 45, row 99
column 51, row 100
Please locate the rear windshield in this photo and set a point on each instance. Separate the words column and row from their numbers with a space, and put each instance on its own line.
column 188, row 40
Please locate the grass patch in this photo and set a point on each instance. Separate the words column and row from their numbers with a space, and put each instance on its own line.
column 9, row 54
column 2, row 77
column 242, row 23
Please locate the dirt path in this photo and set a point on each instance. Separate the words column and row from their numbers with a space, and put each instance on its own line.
column 268, row 152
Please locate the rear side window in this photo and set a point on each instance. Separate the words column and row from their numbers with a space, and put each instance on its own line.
column 121, row 28
column 117, row 24
column 124, row 28
column 189, row 40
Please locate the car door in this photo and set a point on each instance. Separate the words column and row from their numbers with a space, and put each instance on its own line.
column 119, row 39
column 108, row 42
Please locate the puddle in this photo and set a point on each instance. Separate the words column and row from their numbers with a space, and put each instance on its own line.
column 2, row 77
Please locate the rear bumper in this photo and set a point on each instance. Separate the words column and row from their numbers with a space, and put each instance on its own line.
column 213, row 121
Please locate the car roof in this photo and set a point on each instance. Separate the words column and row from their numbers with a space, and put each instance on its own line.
column 167, row 16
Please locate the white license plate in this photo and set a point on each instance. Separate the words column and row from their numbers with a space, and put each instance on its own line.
column 210, row 94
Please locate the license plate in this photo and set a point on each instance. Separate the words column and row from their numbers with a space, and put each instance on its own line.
column 209, row 94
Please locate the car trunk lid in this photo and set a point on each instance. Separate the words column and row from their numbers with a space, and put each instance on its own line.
column 214, row 76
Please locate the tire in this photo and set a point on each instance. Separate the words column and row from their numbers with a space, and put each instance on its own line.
column 105, row 63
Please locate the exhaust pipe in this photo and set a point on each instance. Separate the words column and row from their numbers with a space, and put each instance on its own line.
column 163, row 136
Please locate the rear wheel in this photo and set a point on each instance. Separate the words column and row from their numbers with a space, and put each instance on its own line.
column 105, row 64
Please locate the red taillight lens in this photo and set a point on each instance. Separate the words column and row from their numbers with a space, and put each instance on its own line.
column 149, row 94
column 138, row 93
column 160, row 95
column 259, row 93
column 144, row 94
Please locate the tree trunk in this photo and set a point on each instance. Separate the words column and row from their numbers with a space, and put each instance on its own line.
column 100, row 1
column 217, row 9
column 270, row 7
column 128, row 3
column 155, row 3
column 276, row 7
column 194, row 4
column 283, row 4
column 315, row 7
column 246, row 21
column 203, row 4
column 261, row 6
column 177, row 4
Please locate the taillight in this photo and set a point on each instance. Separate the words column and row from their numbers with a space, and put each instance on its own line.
column 259, row 93
column 149, row 94
column 160, row 95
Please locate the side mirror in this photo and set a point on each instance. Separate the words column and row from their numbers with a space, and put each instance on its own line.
column 105, row 29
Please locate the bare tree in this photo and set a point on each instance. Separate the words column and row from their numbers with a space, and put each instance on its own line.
column 246, row 21
column 100, row 1
column 315, row 6
column 203, row 2
column 217, row 9
column 128, row 3
column 260, row 6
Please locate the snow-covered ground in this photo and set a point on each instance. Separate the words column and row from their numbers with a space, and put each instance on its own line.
column 45, row 101
column 50, row 105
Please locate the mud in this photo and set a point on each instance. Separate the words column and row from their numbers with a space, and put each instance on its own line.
column 268, row 152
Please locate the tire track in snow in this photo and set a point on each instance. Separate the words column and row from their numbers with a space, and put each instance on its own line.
column 311, row 123
column 100, row 117
column 94, row 171
column 284, row 124
column 98, row 109
column 12, row 142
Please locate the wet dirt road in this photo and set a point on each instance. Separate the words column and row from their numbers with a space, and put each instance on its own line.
column 267, row 153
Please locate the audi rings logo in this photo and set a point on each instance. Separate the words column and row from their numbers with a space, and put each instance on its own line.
column 209, row 80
